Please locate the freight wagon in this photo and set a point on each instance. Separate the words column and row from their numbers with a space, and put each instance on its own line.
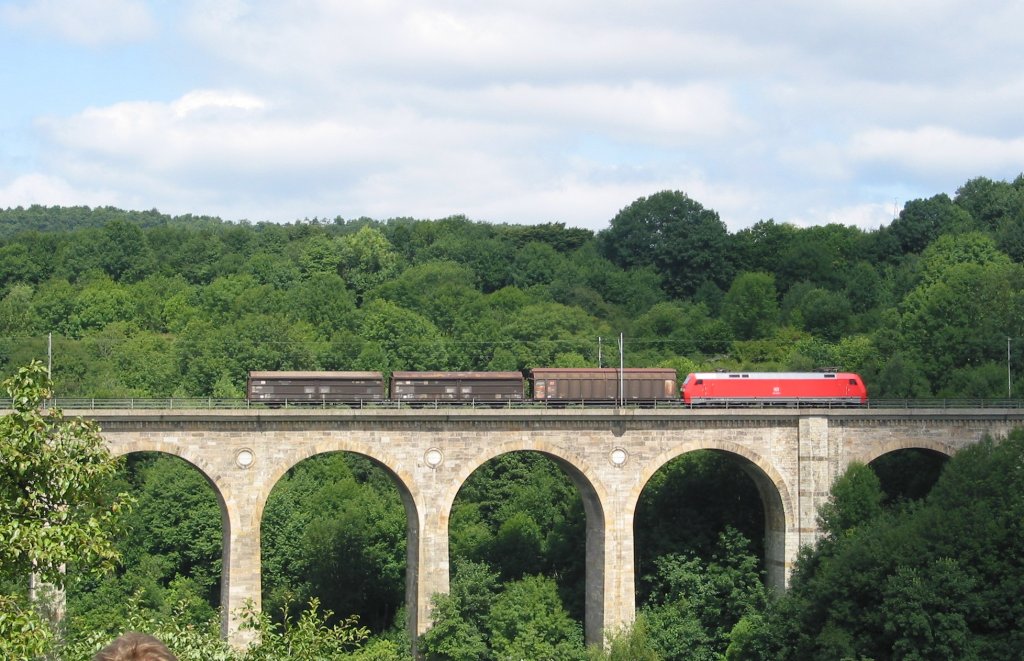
column 316, row 387
column 602, row 384
column 481, row 387
column 778, row 388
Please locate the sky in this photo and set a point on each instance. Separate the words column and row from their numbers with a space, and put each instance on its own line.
column 801, row 111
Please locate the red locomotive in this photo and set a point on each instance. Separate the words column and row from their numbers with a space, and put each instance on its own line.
column 714, row 388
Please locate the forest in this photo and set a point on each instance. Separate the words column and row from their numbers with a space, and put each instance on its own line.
column 140, row 304
column 145, row 305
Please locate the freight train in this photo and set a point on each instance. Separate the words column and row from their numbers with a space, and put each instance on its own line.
column 643, row 386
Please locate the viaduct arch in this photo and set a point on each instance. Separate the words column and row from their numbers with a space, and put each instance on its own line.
column 229, row 516
column 775, row 498
column 593, row 495
column 793, row 456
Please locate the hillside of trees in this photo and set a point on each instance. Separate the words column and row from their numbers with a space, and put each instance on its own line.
column 141, row 304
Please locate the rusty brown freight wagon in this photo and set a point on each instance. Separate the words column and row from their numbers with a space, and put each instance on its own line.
column 316, row 387
column 601, row 384
column 481, row 387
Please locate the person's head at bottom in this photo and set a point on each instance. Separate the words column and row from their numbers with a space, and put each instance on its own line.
column 135, row 646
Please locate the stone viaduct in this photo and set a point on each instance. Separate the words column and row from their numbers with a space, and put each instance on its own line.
column 792, row 455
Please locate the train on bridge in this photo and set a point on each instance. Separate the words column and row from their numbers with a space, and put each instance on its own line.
column 559, row 386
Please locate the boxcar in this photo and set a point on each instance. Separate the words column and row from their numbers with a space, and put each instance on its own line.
column 316, row 387
column 773, row 388
column 601, row 384
column 482, row 387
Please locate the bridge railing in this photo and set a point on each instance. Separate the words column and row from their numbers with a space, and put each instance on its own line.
column 212, row 403
column 945, row 404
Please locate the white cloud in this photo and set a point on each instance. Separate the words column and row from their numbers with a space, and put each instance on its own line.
column 212, row 101
column 866, row 216
column 86, row 22
column 645, row 111
column 800, row 111
column 938, row 150
column 332, row 45
column 398, row 162
column 36, row 188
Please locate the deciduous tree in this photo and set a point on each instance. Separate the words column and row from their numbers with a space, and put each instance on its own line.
column 750, row 307
column 686, row 243
column 54, row 505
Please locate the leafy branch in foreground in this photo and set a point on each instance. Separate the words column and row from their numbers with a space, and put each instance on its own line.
column 305, row 637
column 55, row 507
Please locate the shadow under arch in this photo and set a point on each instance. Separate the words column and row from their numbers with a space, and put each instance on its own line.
column 406, row 491
column 229, row 516
column 872, row 453
column 908, row 471
column 593, row 496
column 776, row 499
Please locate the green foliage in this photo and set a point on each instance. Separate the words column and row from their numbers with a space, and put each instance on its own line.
column 170, row 549
column 750, row 639
column 310, row 635
column 695, row 603
column 767, row 354
column 750, row 306
column 322, row 300
column 176, row 517
column 922, row 221
column 528, row 621
column 366, row 259
column 854, row 500
column 334, row 529
column 440, row 291
column 900, row 377
column 187, row 638
column 631, row 643
column 537, row 333
column 321, row 255
column 963, row 318
column 460, row 618
column 408, row 340
column 688, row 504
column 307, row 637
column 678, row 329
column 54, row 506
column 24, row 633
column 686, row 243
column 939, row 579
column 524, row 620
column 143, row 304
column 825, row 314
column 522, row 515
column 820, row 255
